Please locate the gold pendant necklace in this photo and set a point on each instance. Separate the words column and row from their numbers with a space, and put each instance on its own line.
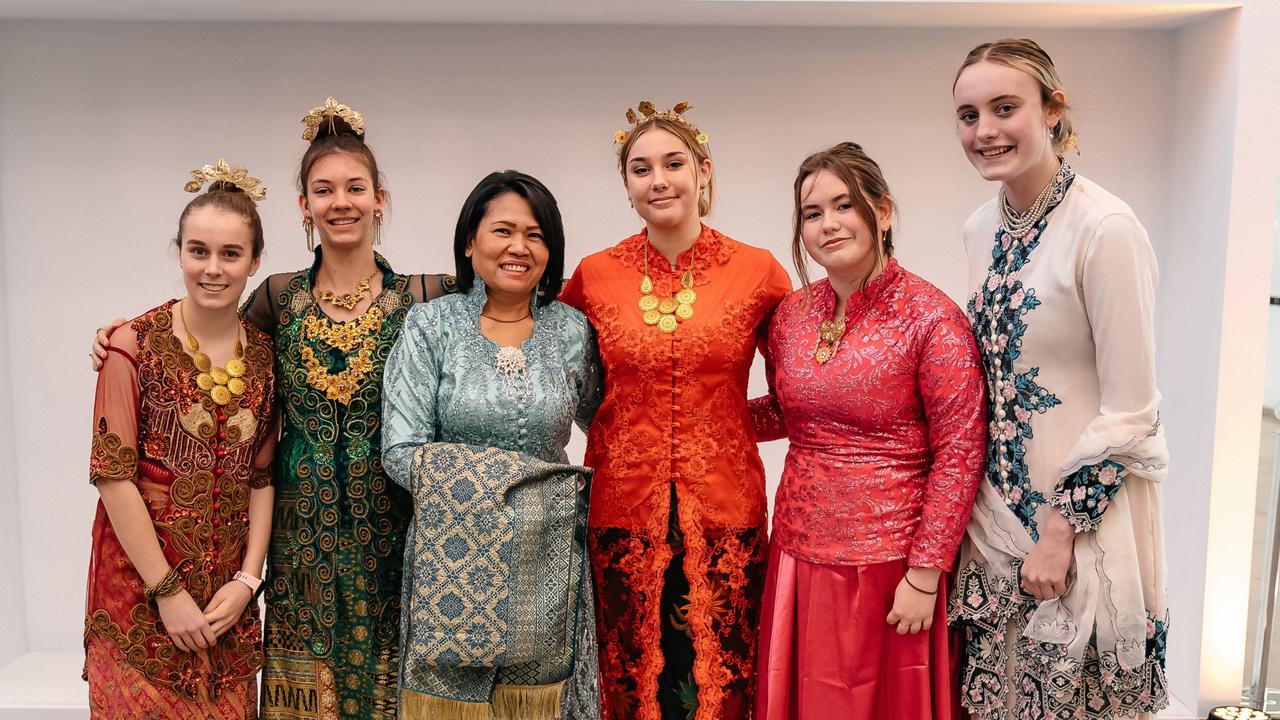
column 668, row 313
column 348, row 301
column 829, row 335
column 222, row 384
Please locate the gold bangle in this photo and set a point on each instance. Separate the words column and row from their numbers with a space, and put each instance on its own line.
column 170, row 584
column 907, row 579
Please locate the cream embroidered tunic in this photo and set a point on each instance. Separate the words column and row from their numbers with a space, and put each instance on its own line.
column 1064, row 322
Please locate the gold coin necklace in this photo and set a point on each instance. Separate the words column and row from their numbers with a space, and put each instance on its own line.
column 222, row 383
column 668, row 313
column 348, row 301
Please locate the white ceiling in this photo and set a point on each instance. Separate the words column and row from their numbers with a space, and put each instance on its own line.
column 890, row 13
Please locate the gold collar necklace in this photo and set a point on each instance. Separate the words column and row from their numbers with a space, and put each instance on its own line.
column 668, row 313
column 348, row 301
column 222, row 384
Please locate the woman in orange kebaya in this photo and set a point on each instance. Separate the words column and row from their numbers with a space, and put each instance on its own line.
column 677, row 526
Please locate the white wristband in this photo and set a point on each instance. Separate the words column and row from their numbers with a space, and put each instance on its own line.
column 249, row 580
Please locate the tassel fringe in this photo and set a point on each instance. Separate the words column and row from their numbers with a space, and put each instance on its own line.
column 510, row 702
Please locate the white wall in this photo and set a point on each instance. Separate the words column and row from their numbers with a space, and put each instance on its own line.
column 13, row 615
column 100, row 122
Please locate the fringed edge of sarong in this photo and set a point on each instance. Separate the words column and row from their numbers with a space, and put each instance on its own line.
column 510, row 702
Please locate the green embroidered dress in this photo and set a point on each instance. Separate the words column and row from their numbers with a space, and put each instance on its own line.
column 332, row 640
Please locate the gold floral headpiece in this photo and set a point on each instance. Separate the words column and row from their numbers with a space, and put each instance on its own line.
column 222, row 172
column 648, row 112
column 331, row 109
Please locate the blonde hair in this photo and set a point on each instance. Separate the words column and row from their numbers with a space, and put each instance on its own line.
column 867, row 190
column 689, row 137
column 1026, row 55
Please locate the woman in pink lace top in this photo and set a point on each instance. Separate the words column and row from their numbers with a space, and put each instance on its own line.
column 876, row 381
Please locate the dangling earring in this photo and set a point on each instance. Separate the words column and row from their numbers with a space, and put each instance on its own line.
column 309, row 227
column 377, row 227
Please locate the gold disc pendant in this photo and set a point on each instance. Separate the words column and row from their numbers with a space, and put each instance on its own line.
column 651, row 317
column 666, row 306
column 686, row 296
column 822, row 353
column 236, row 386
column 236, row 367
column 649, row 302
column 220, row 394
column 202, row 362
column 684, row 311
column 668, row 323
column 204, row 381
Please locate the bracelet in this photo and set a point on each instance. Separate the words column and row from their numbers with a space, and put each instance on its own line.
column 170, row 584
column 253, row 582
column 907, row 579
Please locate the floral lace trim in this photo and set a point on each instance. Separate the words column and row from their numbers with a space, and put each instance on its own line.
column 725, row 570
column 1084, row 495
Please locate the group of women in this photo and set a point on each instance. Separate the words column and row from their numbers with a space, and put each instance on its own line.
column 968, row 519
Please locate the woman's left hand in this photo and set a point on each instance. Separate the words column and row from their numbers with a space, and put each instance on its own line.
column 912, row 609
column 227, row 606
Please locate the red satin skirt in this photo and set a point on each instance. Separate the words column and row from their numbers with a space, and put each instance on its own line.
column 826, row 651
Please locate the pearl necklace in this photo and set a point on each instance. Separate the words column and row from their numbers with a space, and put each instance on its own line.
column 1017, row 224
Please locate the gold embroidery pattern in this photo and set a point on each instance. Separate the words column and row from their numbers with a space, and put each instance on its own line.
column 196, row 462
column 109, row 458
column 339, row 524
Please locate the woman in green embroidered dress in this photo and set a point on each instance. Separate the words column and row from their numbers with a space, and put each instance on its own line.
column 333, row 592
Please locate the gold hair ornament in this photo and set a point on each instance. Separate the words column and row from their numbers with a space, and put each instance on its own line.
column 222, row 172
column 647, row 112
column 331, row 109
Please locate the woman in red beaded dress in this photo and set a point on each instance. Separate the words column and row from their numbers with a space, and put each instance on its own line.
column 876, row 381
column 183, row 436
column 677, row 527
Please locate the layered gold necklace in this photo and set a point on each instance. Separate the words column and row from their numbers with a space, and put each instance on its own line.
column 359, row 335
column 348, row 301
column 222, row 383
column 668, row 313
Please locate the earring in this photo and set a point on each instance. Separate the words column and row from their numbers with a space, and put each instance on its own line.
column 377, row 227
column 309, row 227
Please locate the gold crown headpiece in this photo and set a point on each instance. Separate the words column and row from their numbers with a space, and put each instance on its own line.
column 648, row 112
column 331, row 109
column 222, row 172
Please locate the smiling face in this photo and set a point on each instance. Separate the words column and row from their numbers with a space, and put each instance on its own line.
column 216, row 256
column 341, row 199
column 664, row 179
column 1002, row 123
column 833, row 233
column 508, row 251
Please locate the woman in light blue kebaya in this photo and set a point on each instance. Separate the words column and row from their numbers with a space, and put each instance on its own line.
column 480, row 394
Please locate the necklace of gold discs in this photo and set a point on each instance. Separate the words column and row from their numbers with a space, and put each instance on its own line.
column 668, row 313
column 348, row 301
column 222, row 383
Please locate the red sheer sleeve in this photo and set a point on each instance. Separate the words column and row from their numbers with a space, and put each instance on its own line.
column 114, row 451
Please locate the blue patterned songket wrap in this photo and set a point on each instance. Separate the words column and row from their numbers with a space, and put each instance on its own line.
column 494, row 571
